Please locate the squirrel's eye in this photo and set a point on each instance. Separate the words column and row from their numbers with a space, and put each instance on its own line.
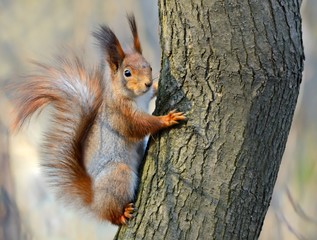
column 127, row 73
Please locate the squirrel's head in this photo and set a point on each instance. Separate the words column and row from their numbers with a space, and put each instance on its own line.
column 129, row 71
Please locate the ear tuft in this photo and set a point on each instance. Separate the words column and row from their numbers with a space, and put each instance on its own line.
column 134, row 31
column 110, row 44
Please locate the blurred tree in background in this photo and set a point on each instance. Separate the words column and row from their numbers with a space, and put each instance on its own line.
column 32, row 30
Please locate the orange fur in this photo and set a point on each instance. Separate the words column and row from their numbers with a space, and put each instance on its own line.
column 136, row 125
column 118, row 212
column 134, row 30
column 56, row 85
column 84, row 100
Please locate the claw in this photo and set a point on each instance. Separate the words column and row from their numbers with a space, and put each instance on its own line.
column 172, row 118
column 123, row 220
column 128, row 213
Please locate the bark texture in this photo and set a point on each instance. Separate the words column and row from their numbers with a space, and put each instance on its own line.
column 235, row 67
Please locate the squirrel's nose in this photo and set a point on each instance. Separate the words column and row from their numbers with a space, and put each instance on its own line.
column 149, row 84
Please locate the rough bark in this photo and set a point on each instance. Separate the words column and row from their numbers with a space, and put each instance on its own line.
column 235, row 67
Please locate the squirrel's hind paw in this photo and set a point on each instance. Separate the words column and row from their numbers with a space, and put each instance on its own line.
column 128, row 213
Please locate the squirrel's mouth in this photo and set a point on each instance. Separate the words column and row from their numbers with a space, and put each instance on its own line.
column 144, row 90
column 140, row 92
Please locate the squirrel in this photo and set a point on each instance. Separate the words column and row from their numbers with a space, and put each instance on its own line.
column 92, row 151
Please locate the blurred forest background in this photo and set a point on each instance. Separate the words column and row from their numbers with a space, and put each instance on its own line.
column 33, row 29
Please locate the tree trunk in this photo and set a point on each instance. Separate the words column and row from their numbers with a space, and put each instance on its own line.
column 235, row 68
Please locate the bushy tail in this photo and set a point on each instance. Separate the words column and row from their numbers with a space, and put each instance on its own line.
column 76, row 94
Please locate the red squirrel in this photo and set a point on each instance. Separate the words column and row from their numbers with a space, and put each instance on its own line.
column 92, row 152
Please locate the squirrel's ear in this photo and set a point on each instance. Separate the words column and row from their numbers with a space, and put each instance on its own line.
column 110, row 44
column 134, row 31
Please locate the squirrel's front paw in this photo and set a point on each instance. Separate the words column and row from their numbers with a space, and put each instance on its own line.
column 172, row 118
